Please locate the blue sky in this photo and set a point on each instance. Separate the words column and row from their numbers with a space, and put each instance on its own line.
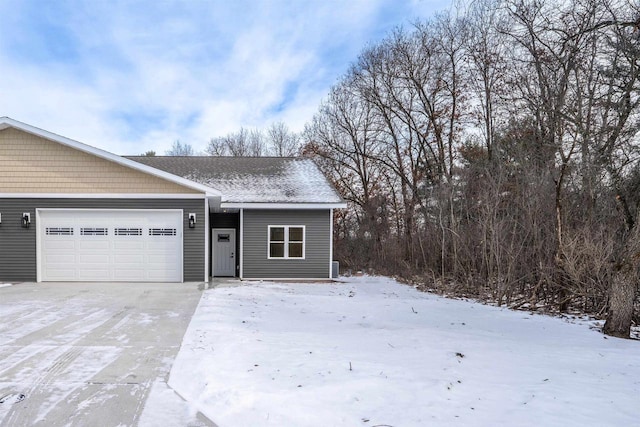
column 136, row 75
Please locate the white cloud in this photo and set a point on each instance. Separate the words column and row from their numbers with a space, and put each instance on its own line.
column 137, row 76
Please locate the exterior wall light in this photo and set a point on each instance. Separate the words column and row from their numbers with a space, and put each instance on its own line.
column 26, row 220
column 192, row 220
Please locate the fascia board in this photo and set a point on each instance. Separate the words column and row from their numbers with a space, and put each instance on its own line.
column 102, row 196
column 232, row 205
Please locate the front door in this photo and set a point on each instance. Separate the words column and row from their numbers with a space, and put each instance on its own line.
column 224, row 252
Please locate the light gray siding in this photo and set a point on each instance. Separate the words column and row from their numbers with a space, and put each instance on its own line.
column 317, row 244
column 18, row 245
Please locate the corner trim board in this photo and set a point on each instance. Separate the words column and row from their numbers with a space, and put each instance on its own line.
column 241, row 237
column 330, row 243
column 207, row 240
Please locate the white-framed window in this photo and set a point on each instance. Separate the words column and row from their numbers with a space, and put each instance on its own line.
column 286, row 242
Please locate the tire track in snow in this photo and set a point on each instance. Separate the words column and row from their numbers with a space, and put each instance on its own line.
column 39, row 393
column 35, row 393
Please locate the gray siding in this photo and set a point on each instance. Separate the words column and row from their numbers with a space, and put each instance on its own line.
column 317, row 243
column 18, row 245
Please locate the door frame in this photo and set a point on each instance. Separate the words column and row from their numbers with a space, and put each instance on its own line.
column 213, row 251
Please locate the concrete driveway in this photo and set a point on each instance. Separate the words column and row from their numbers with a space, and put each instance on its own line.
column 89, row 354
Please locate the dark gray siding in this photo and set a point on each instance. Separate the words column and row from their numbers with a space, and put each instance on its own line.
column 18, row 245
column 318, row 237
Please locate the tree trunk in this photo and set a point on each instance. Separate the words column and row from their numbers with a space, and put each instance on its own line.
column 563, row 295
column 624, row 284
column 621, row 298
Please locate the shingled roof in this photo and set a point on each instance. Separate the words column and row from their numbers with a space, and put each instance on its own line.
column 251, row 179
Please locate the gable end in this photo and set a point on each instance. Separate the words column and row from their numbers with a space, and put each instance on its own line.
column 32, row 164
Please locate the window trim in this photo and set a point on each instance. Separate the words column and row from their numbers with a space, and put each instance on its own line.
column 286, row 242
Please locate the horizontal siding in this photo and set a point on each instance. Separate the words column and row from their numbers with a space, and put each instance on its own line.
column 18, row 245
column 317, row 243
column 31, row 164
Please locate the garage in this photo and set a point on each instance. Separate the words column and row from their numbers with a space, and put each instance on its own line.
column 109, row 245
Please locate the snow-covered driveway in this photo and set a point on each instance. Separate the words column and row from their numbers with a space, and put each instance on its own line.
column 372, row 352
column 83, row 354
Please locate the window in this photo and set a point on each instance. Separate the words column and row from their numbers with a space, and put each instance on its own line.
column 128, row 231
column 93, row 231
column 286, row 242
column 59, row 231
column 162, row 232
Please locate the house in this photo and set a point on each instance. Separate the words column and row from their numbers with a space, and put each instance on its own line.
column 72, row 212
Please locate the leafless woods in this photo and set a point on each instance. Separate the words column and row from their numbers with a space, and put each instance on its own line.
column 493, row 151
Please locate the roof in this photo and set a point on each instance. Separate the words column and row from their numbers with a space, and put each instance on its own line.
column 7, row 122
column 252, row 179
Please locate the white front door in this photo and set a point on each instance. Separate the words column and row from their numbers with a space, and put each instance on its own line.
column 224, row 252
column 110, row 245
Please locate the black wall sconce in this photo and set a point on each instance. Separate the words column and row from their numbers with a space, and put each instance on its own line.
column 26, row 220
column 192, row 220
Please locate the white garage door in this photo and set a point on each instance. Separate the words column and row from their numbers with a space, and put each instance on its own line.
column 110, row 245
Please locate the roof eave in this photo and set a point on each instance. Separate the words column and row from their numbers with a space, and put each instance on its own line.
column 282, row 205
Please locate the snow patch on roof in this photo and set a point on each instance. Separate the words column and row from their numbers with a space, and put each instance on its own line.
column 293, row 181
column 252, row 179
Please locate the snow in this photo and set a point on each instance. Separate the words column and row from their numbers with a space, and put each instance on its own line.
column 164, row 408
column 92, row 354
column 370, row 352
column 251, row 179
column 287, row 180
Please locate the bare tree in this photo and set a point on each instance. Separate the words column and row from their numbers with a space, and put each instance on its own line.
column 240, row 144
column 619, row 150
column 486, row 50
column 343, row 138
column 485, row 152
column 180, row 149
column 281, row 141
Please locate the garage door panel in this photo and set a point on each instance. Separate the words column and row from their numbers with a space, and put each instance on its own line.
column 131, row 258
column 92, row 275
column 130, row 245
column 63, row 274
column 131, row 275
column 162, row 245
column 52, row 244
column 110, row 245
column 61, row 258
column 88, row 258
column 160, row 257
column 90, row 245
column 159, row 266
column 159, row 276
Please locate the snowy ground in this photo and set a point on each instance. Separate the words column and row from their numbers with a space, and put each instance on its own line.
column 372, row 352
column 91, row 354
